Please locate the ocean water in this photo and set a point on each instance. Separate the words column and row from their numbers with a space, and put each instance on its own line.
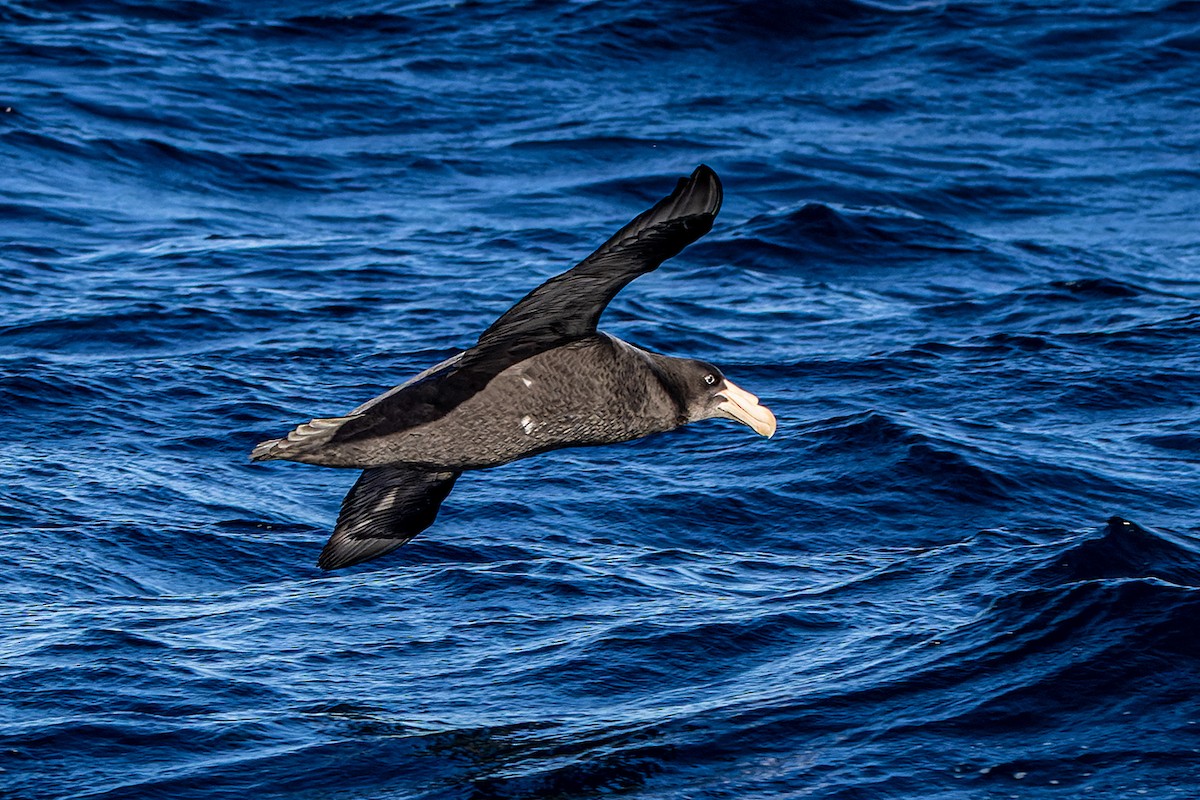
column 959, row 258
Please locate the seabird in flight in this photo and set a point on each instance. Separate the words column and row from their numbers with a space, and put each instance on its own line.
column 540, row 378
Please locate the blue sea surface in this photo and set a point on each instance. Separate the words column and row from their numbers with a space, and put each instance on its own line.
column 959, row 258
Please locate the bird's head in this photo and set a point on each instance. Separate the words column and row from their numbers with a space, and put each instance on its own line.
column 704, row 393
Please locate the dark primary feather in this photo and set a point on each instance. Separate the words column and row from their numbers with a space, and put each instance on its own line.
column 385, row 508
column 563, row 309
column 569, row 306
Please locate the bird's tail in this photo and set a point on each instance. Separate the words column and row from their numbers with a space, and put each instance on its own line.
column 303, row 439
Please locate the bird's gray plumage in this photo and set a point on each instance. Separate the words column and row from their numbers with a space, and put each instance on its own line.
column 539, row 378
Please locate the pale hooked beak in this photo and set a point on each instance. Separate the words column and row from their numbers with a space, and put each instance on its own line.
column 744, row 407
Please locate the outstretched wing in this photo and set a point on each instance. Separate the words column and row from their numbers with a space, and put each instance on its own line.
column 387, row 507
column 569, row 306
column 561, row 310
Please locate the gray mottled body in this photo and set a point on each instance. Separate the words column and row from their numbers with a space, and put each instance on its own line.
column 599, row 390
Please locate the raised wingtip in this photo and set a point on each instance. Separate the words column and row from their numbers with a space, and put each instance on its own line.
column 707, row 172
column 569, row 305
column 699, row 193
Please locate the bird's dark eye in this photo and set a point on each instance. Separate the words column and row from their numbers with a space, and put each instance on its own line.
column 710, row 379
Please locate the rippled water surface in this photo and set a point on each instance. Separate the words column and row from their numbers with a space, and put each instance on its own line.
column 959, row 258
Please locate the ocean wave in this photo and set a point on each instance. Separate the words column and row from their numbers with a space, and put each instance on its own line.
column 818, row 239
column 1128, row 550
column 906, row 458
